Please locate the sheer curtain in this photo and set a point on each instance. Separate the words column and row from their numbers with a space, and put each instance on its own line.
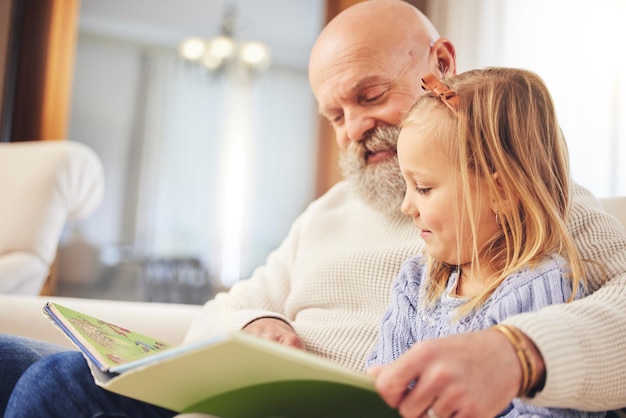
column 226, row 163
column 576, row 47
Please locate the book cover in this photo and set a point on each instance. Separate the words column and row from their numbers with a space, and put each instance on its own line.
column 231, row 375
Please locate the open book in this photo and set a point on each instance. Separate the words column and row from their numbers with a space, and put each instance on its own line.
column 231, row 375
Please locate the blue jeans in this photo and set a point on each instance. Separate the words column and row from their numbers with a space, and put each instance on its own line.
column 16, row 355
column 61, row 385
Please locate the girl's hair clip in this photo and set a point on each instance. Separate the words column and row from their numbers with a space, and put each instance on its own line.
column 431, row 83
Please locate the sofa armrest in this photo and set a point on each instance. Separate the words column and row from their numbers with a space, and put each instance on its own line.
column 21, row 273
column 22, row 315
column 43, row 185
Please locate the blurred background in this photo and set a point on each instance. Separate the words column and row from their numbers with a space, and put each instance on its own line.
column 207, row 162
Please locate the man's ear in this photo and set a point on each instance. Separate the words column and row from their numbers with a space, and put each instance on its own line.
column 443, row 52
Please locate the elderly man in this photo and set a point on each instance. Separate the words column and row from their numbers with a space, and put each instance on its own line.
column 325, row 288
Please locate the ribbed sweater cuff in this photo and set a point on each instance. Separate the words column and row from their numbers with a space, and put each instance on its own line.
column 234, row 321
column 560, row 348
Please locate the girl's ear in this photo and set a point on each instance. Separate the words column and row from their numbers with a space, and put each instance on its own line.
column 499, row 203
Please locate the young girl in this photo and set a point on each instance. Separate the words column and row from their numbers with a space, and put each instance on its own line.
column 487, row 177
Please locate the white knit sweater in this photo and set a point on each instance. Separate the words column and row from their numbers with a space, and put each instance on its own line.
column 331, row 278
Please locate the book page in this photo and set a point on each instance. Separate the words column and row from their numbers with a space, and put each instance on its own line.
column 104, row 343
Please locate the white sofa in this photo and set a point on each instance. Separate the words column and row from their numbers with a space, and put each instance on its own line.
column 43, row 185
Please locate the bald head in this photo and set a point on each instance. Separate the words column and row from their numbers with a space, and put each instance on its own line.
column 378, row 17
column 388, row 27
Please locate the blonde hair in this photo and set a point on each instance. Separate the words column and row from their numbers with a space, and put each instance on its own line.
column 505, row 123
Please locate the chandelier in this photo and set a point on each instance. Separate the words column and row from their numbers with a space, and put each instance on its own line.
column 224, row 52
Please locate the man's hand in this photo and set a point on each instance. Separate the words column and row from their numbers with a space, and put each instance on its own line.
column 467, row 375
column 274, row 329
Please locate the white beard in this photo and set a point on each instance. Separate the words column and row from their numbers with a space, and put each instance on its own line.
column 381, row 184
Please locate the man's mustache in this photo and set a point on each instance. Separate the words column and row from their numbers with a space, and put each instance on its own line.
column 379, row 139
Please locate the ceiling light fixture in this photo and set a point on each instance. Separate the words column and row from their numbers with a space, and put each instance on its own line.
column 220, row 52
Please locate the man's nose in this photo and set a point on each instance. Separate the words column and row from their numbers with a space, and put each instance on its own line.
column 357, row 125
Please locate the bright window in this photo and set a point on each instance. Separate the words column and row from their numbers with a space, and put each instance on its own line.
column 576, row 46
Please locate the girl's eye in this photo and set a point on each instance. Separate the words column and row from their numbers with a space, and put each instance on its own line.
column 422, row 190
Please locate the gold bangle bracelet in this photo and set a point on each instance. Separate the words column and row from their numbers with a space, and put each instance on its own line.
column 532, row 369
column 517, row 340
